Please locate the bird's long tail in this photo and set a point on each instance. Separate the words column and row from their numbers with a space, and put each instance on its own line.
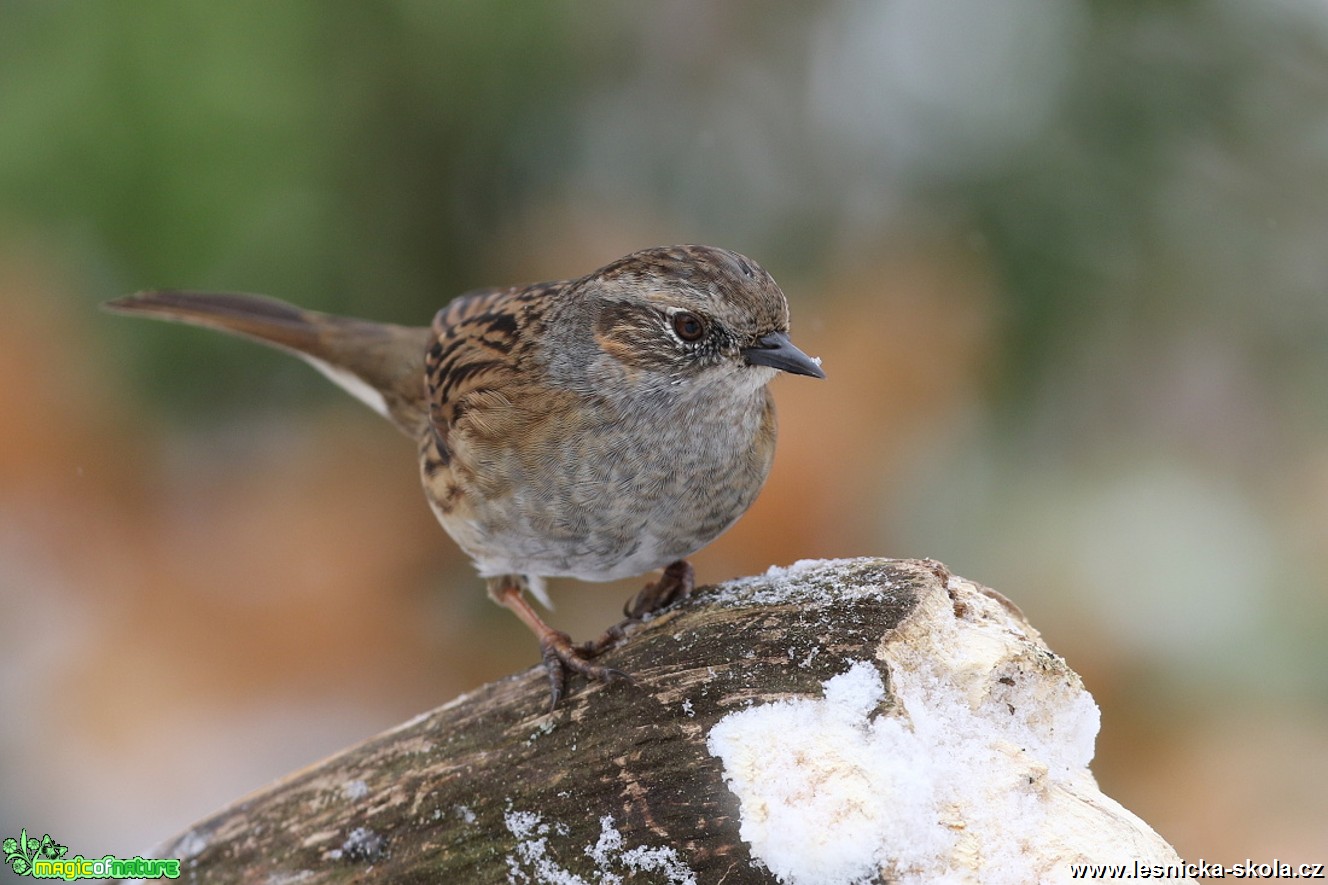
column 379, row 364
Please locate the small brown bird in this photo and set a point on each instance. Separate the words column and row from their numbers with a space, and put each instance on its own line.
column 594, row 428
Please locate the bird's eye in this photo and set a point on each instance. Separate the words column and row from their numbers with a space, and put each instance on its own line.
column 688, row 326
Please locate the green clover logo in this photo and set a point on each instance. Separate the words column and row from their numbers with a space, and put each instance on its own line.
column 21, row 852
column 17, row 853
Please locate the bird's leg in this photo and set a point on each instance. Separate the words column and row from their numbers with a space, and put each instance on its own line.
column 675, row 584
column 556, row 647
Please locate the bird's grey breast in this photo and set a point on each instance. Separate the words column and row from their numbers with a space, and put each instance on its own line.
column 629, row 486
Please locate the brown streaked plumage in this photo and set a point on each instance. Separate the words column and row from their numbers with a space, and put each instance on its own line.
column 594, row 428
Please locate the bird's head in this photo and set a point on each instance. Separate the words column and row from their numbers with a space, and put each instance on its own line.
column 692, row 315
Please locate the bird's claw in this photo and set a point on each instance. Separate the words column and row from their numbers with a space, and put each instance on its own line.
column 560, row 656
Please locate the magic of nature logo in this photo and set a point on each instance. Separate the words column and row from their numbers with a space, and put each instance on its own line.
column 45, row 858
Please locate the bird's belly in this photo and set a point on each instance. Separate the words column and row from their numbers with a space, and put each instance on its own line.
column 597, row 558
column 620, row 512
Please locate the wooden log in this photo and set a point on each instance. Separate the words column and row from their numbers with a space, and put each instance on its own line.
column 758, row 743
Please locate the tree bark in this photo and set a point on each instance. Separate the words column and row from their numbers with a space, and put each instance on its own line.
column 633, row 782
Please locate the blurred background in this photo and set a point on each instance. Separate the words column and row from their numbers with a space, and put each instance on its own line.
column 1065, row 261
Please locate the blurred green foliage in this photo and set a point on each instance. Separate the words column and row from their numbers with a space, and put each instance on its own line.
column 346, row 156
column 1114, row 161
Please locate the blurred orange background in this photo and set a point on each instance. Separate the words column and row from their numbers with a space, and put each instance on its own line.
column 1064, row 262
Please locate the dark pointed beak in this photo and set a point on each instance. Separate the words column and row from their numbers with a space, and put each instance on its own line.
column 777, row 351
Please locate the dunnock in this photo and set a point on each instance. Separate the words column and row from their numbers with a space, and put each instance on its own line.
column 594, row 428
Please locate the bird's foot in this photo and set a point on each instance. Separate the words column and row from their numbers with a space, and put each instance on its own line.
column 676, row 584
column 560, row 656
column 556, row 647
